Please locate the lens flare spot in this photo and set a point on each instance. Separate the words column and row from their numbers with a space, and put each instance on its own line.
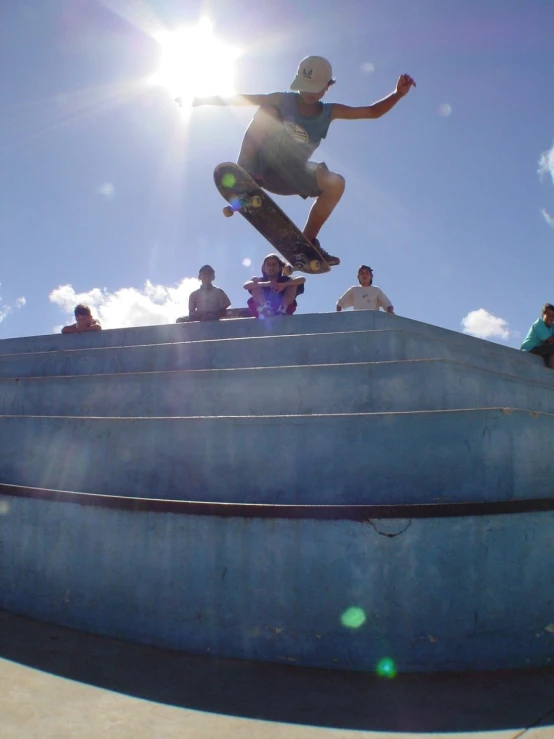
column 228, row 180
column 353, row 618
column 246, row 262
column 444, row 110
column 107, row 190
column 386, row 668
column 4, row 507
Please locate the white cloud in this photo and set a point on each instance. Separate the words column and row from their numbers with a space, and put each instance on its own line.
column 546, row 163
column 547, row 217
column 484, row 325
column 6, row 308
column 128, row 306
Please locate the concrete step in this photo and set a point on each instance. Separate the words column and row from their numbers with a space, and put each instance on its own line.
column 287, row 350
column 245, row 328
column 373, row 458
column 410, row 385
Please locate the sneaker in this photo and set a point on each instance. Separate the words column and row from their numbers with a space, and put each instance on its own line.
column 281, row 310
column 265, row 311
column 331, row 261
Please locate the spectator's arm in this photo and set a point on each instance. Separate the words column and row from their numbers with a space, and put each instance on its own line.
column 224, row 303
column 95, row 326
column 542, row 331
column 255, row 282
column 345, row 301
column 192, row 303
column 384, row 302
column 296, row 281
column 70, row 329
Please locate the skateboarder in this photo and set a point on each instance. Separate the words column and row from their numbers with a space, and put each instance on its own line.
column 274, row 293
column 287, row 129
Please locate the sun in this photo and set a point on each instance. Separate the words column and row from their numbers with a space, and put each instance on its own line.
column 195, row 63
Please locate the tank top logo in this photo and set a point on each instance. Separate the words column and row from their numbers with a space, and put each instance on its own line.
column 296, row 132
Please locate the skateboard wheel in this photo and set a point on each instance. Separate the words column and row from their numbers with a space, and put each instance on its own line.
column 256, row 201
column 228, row 211
column 315, row 265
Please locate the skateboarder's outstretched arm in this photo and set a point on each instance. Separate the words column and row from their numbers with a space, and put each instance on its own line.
column 376, row 110
column 271, row 98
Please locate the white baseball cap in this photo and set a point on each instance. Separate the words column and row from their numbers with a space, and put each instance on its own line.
column 314, row 74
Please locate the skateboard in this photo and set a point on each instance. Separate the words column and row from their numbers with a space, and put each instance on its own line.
column 246, row 197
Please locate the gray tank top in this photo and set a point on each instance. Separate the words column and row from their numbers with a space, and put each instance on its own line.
column 303, row 134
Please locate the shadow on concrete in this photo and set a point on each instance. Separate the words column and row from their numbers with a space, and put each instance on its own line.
column 447, row 702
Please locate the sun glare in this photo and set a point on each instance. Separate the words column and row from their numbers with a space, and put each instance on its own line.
column 195, row 63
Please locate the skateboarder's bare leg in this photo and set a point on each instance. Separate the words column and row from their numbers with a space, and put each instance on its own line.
column 332, row 187
column 266, row 120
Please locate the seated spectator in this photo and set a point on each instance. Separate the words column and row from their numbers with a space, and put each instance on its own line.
column 274, row 293
column 364, row 296
column 84, row 321
column 540, row 337
column 208, row 303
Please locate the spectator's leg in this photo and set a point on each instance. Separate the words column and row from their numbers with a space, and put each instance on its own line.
column 259, row 306
column 289, row 294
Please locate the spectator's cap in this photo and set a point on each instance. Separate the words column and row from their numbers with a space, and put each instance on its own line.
column 314, row 74
column 206, row 268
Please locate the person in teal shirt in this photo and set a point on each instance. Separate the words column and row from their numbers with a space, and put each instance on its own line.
column 540, row 337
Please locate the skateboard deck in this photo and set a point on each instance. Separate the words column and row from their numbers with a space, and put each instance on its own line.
column 246, row 197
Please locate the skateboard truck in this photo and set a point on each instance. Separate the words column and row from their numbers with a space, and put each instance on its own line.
column 242, row 204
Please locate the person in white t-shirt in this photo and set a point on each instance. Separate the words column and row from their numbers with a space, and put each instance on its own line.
column 364, row 296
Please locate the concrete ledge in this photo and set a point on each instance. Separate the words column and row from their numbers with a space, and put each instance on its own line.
column 468, row 455
column 430, row 594
column 409, row 385
column 299, row 324
column 305, row 349
column 360, row 513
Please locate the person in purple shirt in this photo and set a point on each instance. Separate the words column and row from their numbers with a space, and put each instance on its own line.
column 288, row 128
column 540, row 337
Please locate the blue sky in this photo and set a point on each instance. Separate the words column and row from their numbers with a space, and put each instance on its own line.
column 107, row 190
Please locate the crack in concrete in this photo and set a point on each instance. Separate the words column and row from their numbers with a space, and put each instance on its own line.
column 384, row 533
column 534, row 725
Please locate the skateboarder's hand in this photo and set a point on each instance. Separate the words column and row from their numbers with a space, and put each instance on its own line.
column 404, row 83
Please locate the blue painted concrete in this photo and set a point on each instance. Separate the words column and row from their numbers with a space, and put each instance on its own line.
column 347, row 321
column 418, row 457
column 343, row 408
column 309, row 349
column 431, row 594
column 407, row 385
